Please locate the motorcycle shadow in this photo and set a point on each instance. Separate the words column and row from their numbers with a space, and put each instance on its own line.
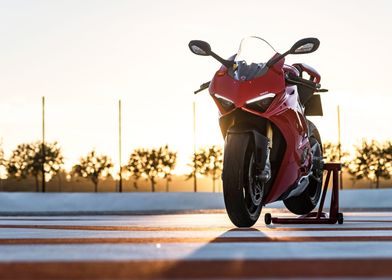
column 226, row 256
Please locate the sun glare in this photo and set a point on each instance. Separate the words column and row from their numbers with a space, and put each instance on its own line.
column 84, row 69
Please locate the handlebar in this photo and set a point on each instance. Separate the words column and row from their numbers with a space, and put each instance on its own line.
column 289, row 77
column 202, row 87
column 307, row 83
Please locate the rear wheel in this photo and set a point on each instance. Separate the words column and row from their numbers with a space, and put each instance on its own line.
column 307, row 201
column 243, row 193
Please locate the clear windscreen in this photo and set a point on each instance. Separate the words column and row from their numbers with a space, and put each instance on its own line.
column 251, row 58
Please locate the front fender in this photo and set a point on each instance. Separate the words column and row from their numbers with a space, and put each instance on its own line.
column 261, row 143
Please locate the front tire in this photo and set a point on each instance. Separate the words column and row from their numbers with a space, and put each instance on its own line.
column 307, row 201
column 242, row 191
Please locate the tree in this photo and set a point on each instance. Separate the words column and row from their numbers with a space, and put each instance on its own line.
column 152, row 163
column 373, row 161
column 331, row 153
column 3, row 165
column 134, row 166
column 169, row 163
column 93, row 167
column 2, row 159
column 27, row 160
column 208, row 162
column 199, row 159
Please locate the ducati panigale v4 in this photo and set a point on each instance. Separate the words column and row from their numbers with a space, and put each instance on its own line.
column 272, row 151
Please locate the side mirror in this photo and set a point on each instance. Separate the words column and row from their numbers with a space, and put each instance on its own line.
column 200, row 47
column 307, row 45
column 203, row 48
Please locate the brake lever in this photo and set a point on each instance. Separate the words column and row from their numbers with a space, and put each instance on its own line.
column 202, row 87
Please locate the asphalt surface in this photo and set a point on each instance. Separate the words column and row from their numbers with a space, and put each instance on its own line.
column 193, row 246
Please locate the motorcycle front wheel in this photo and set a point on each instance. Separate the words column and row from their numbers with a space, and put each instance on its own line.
column 242, row 192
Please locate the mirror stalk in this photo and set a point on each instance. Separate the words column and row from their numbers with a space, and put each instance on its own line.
column 227, row 63
column 275, row 60
column 307, row 45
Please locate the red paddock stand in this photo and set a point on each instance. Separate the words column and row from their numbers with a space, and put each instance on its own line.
column 318, row 217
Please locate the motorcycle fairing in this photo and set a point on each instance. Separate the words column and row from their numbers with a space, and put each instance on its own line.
column 284, row 112
column 241, row 91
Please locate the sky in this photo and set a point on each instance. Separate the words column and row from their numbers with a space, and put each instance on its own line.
column 84, row 56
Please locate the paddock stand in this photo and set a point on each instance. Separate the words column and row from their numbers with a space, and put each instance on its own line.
column 318, row 217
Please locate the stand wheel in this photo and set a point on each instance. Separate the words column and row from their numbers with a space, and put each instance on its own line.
column 340, row 218
column 267, row 218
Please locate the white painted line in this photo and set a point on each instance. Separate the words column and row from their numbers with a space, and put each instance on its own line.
column 188, row 220
column 184, row 220
column 197, row 251
column 18, row 233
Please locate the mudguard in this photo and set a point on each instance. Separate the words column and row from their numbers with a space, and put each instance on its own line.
column 260, row 141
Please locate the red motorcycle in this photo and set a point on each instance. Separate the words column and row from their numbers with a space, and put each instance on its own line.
column 272, row 151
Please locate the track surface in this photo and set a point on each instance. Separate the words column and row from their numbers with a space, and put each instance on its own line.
column 192, row 246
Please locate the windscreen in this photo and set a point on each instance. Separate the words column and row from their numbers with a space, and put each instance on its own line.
column 251, row 58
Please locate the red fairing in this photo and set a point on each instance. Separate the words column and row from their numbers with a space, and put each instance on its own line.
column 241, row 91
column 284, row 112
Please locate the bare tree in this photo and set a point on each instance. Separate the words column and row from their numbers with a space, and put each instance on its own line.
column 208, row 162
column 27, row 160
column 93, row 167
column 373, row 161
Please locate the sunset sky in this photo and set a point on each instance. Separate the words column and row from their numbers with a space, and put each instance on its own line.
column 85, row 55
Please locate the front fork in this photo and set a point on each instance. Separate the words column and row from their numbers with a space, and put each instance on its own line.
column 265, row 172
column 263, row 145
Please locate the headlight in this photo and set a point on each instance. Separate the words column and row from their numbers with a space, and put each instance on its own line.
column 226, row 103
column 260, row 103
